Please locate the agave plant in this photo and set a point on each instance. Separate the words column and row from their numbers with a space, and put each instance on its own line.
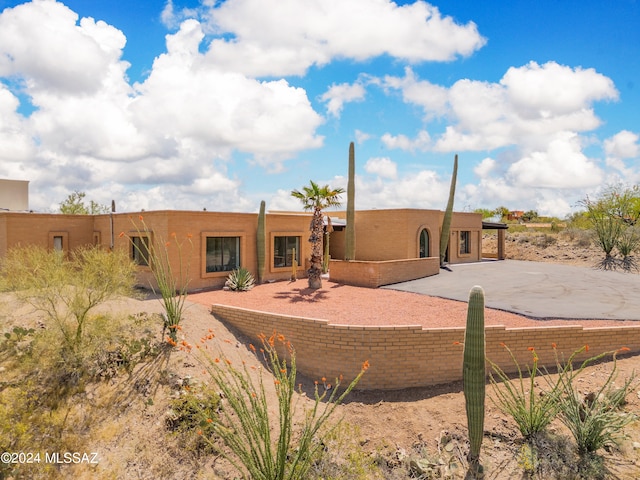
column 240, row 280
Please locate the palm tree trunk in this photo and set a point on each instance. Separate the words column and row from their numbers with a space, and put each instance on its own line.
column 315, row 270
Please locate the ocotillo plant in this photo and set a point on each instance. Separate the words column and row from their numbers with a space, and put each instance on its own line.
column 261, row 242
column 446, row 221
column 473, row 373
column 350, row 248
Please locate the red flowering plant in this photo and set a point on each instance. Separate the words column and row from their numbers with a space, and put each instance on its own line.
column 595, row 419
column 531, row 409
column 248, row 421
column 172, row 286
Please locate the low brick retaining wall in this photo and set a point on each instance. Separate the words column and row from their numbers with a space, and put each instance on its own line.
column 373, row 274
column 412, row 356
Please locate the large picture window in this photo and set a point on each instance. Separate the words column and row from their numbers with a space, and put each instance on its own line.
column 223, row 254
column 140, row 251
column 465, row 242
column 283, row 248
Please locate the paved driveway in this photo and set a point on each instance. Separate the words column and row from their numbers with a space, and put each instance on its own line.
column 541, row 290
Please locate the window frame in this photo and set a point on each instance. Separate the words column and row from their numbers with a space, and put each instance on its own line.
column 64, row 238
column 427, row 253
column 240, row 236
column 137, row 254
column 464, row 242
column 298, row 247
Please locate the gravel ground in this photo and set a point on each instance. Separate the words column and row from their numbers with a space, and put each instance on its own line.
column 347, row 305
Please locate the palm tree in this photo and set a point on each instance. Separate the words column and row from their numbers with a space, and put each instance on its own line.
column 317, row 199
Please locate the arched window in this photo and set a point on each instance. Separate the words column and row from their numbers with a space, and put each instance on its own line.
column 424, row 243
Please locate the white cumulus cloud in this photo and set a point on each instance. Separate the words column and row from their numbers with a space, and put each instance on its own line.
column 286, row 37
column 338, row 95
column 623, row 145
column 421, row 142
column 382, row 167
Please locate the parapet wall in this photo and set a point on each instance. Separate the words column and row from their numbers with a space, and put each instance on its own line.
column 412, row 356
column 373, row 274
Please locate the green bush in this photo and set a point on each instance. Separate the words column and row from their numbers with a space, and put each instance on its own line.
column 67, row 289
column 192, row 415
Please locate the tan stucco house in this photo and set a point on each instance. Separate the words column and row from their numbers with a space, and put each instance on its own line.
column 391, row 245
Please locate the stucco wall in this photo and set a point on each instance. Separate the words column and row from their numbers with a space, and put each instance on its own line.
column 374, row 274
column 395, row 234
column 471, row 222
column 382, row 235
column 410, row 356
column 192, row 229
column 38, row 228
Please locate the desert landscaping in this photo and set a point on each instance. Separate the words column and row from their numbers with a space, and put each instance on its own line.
column 129, row 419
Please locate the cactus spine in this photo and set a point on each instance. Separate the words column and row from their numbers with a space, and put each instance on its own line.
column 350, row 251
column 261, row 242
column 473, row 373
column 446, row 221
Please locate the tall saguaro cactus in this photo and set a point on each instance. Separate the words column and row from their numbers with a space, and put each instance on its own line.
column 474, row 374
column 446, row 221
column 350, row 250
column 261, row 242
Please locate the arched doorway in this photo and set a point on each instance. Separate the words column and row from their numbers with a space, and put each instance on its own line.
column 424, row 243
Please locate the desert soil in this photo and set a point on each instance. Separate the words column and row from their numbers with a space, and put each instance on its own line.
column 392, row 426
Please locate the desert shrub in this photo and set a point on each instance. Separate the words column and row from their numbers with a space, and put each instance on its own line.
column 24, row 428
column 612, row 214
column 67, row 289
column 594, row 419
column 517, row 228
column 531, row 408
column 343, row 457
column 628, row 242
column 240, row 280
column 122, row 356
column 580, row 236
column 524, row 238
column 247, row 427
column 191, row 415
column 545, row 240
column 43, row 395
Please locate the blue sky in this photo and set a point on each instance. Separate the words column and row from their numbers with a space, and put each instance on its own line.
column 218, row 105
